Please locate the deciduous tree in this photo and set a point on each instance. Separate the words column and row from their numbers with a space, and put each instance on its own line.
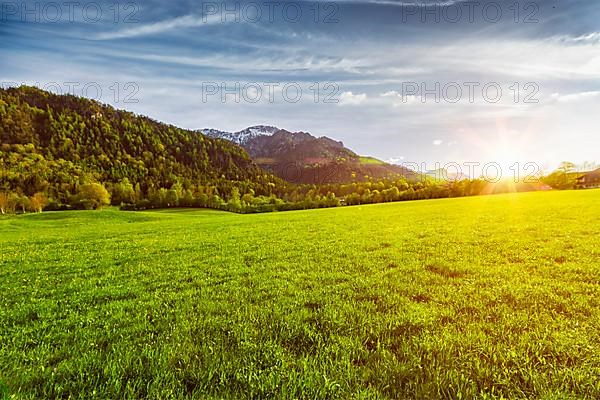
column 37, row 202
column 93, row 196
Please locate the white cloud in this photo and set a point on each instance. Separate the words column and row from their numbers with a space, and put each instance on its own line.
column 391, row 93
column 395, row 160
column 399, row 100
column 590, row 38
column 264, row 64
column 437, row 142
column 186, row 21
column 349, row 98
column 572, row 97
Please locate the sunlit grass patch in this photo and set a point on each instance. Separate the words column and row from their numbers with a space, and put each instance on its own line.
column 486, row 297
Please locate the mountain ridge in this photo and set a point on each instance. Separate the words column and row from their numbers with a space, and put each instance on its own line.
column 242, row 136
column 300, row 157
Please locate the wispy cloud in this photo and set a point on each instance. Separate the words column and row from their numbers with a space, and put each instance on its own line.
column 590, row 38
column 574, row 97
column 255, row 62
column 184, row 22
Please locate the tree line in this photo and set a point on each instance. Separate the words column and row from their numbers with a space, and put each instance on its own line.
column 65, row 152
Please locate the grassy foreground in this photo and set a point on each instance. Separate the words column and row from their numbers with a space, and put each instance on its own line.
column 485, row 297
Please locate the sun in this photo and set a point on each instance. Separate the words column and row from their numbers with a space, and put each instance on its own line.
column 507, row 155
column 504, row 149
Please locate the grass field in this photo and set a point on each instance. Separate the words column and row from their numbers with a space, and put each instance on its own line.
column 370, row 160
column 483, row 297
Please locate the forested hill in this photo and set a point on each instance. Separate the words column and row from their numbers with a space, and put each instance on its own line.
column 52, row 144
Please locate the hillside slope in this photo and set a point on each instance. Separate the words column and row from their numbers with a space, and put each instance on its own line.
column 52, row 143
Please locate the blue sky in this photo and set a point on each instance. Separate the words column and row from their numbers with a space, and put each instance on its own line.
column 170, row 60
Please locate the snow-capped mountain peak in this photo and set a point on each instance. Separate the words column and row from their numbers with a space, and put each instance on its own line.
column 241, row 137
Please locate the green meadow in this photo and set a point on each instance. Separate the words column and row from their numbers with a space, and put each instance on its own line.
column 481, row 297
